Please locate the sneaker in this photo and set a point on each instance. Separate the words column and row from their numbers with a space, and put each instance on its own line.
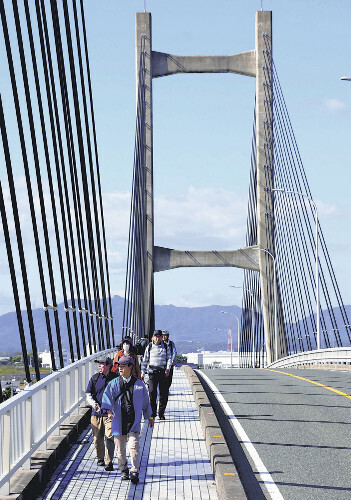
column 101, row 463
column 109, row 466
column 134, row 477
column 125, row 475
column 161, row 417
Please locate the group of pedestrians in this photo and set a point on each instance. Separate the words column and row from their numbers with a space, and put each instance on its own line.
column 119, row 399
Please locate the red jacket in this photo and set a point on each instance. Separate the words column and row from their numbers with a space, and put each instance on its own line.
column 136, row 368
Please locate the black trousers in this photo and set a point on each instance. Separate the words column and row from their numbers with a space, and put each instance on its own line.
column 158, row 379
column 170, row 376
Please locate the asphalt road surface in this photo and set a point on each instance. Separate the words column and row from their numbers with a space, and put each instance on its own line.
column 295, row 430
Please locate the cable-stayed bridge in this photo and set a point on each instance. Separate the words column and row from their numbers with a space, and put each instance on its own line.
column 48, row 133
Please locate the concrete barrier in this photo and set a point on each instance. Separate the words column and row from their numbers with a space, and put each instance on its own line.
column 226, row 476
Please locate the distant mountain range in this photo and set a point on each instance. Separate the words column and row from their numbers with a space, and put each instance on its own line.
column 191, row 328
column 188, row 327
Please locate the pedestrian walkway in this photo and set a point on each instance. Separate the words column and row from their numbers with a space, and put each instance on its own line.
column 174, row 460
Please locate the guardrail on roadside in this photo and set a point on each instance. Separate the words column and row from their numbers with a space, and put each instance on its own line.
column 334, row 355
column 29, row 418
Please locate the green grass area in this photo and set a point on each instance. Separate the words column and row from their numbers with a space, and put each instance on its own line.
column 19, row 369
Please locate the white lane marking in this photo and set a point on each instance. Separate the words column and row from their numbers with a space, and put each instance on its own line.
column 261, row 469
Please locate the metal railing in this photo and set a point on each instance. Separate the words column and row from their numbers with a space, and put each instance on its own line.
column 29, row 418
column 335, row 355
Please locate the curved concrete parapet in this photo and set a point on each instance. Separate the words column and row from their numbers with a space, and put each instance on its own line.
column 167, row 258
column 243, row 63
column 335, row 357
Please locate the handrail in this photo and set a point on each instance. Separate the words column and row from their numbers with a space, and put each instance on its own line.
column 29, row 418
column 334, row 355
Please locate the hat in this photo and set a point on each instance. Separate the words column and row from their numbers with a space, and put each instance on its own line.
column 127, row 339
column 125, row 360
column 158, row 333
column 104, row 359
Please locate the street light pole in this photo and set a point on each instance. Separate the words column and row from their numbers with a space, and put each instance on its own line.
column 237, row 319
column 252, row 323
column 279, row 190
column 275, row 302
column 231, row 346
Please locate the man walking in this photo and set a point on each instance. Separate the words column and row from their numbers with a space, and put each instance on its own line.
column 173, row 350
column 125, row 399
column 100, row 423
column 157, row 362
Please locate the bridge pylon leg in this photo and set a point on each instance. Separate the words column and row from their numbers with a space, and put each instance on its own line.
column 265, row 183
column 143, row 43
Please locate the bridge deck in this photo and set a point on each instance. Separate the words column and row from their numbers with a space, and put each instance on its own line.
column 174, row 462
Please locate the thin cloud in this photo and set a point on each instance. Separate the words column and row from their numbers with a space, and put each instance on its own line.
column 201, row 298
column 212, row 214
column 328, row 209
column 334, row 105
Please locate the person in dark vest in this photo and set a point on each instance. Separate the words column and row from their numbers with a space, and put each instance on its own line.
column 157, row 363
column 125, row 400
column 172, row 348
column 100, row 422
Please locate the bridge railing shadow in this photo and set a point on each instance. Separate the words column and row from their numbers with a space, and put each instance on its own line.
column 28, row 419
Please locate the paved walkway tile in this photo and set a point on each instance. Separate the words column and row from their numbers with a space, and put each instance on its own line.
column 174, row 460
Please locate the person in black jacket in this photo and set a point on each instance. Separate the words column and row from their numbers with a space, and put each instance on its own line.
column 157, row 363
column 100, row 423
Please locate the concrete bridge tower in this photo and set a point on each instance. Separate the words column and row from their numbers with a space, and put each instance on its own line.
column 254, row 63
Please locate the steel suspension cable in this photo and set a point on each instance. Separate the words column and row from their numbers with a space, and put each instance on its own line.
column 291, row 176
column 71, row 149
column 30, row 194
column 133, row 316
column 89, row 216
column 90, row 158
column 97, row 162
column 58, row 145
column 9, row 249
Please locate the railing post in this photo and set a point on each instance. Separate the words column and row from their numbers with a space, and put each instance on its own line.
column 68, row 391
column 28, row 430
column 84, row 370
column 57, row 403
column 5, row 488
column 44, row 417
column 75, row 396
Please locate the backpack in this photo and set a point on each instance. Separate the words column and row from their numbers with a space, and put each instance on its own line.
column 140, row 347
column 170, row 345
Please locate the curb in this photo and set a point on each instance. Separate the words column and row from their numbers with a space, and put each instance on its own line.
column 226, row 476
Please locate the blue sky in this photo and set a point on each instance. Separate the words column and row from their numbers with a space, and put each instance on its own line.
column 203, row 123
column 203, row 130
